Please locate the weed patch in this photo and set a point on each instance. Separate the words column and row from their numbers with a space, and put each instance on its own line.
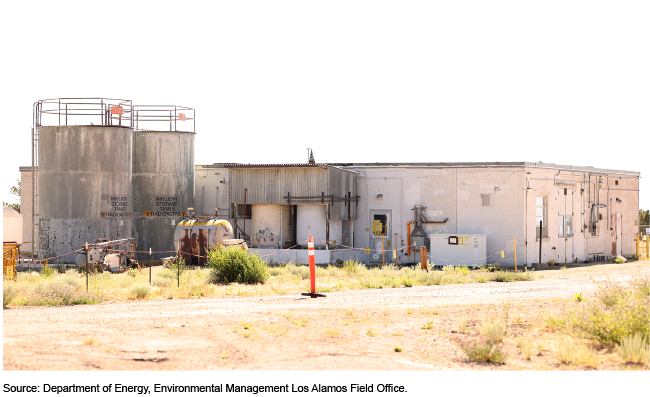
column 634, row 349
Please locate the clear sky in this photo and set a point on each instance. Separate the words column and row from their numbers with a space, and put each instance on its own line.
column 563, row 82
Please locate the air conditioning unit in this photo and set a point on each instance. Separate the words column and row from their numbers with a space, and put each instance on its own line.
column 458, row 249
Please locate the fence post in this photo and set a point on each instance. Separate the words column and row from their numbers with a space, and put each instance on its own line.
column 150, row 259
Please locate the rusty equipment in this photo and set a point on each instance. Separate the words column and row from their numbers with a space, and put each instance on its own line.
column 9, row 257
column 194, row 237
column 116, row 256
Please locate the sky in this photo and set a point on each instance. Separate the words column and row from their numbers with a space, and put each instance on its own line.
column 561, row 82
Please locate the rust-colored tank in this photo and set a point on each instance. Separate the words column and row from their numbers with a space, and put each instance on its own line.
column 193, row 238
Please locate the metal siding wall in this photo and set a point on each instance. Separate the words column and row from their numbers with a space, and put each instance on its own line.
column 270, row 185
column 342, row 182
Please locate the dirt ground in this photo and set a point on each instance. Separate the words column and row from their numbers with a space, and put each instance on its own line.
column 356, row 330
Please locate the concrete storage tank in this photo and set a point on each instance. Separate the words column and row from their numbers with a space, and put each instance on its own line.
column 311, row 220
column 84, row 174
column 163, row 175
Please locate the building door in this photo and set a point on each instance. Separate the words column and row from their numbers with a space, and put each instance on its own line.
column 380, row 226
column 565, row 225
column 615, row 228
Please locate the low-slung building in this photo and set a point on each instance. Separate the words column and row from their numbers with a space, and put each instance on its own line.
column 373, row 211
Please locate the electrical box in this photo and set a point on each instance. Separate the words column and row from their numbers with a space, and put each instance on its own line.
column 458, row 249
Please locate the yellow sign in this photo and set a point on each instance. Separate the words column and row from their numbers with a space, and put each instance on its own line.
column 376, row 228
column 147, row 213
column 182, row 213
column 502, row 254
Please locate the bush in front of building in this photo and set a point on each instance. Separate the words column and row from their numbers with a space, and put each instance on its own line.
column 8, row 294
column 234, row 265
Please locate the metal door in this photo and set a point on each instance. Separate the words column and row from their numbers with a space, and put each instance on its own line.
column 565, row 225
column 380, row 227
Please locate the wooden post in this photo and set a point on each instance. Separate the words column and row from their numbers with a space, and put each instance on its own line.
column 423, row 258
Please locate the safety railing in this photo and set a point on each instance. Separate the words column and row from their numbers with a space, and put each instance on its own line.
column 164, row 118
column 83, row 111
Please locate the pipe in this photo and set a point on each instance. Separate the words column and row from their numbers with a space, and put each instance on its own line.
column 245, row 196
column 408, row 238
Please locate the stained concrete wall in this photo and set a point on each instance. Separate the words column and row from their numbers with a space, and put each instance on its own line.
column 85, row 187
column 163, row 187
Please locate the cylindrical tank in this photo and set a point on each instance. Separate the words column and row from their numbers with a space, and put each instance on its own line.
column 84, row 192
column 311, row 220
column 193, row 238
column 267, row 222
column 163, row 187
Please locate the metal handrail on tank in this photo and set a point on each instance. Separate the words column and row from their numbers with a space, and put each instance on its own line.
column 164, row 118
column 83, row 111
column 72, row 111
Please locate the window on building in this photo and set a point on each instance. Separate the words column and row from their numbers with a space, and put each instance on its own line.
column 540, row 215
column 560, row 226
column 243, row 211
column 568, row 230
column 485, row 200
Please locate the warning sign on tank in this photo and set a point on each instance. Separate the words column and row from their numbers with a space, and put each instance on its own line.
column 119, row 207
column 167, row 206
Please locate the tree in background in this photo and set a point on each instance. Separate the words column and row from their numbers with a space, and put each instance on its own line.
column 14, row 191
column 644, row 217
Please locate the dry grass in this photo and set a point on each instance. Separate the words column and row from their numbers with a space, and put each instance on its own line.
column 288, row 279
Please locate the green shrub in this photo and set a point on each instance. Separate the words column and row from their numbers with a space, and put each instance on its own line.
column 493, row 330
column 232, row 264
column 620, row 259
column 132, row 272
column 176, row 265
column 407, row 282
column 492, row 267
column 482, row 351
column 8, row 293
column 623, row 312
column 351, row 266
column 140, row 290
column 47, row 271
column 159, row 281
column 275, row 271
column 462, row 270
column 503, row 276
column 551, row 262
column 634, row 349
column 487, row 348
column 167, row 273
